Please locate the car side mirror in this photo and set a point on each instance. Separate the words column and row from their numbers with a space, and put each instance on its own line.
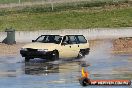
column 33, row 40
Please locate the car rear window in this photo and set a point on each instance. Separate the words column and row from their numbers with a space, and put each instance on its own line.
column 81, row 39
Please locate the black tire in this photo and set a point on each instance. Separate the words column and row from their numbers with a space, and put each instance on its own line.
column 55, row 55
column 85, row 81
column 87, row 51
column 27, row 59
column 80, row 54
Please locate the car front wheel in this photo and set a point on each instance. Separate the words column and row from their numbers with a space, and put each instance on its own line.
column 27, row 59
column 55, row 55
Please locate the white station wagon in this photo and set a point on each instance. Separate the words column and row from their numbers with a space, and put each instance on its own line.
column 53, row 47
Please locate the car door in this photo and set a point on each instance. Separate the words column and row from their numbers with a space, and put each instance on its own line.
column 67, row 49
column 74, row 44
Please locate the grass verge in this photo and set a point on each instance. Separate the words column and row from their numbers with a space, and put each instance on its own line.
column 80, row 16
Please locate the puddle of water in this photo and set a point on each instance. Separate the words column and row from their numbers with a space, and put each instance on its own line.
column 40, row 74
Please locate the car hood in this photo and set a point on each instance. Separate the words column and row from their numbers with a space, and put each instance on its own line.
column 41, row 45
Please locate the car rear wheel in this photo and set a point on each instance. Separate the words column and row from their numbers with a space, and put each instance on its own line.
column 80, row 54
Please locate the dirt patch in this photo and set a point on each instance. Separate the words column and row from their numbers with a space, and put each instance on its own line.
column 123, row 45
column 95, row 42
column 9, row 50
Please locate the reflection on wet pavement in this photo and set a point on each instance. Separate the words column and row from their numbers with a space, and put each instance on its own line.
column 38, row 73
column 41, row 68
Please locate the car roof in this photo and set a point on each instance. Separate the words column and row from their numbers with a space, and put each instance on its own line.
column 66, row 35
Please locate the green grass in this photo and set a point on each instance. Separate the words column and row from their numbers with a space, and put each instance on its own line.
column 41, row 18
column 8, row 1
column 16, row 1
column 72, row 6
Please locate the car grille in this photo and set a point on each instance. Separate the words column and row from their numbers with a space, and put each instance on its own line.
column 31, row 50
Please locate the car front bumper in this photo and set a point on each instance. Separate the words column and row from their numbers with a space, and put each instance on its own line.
column 36, row 54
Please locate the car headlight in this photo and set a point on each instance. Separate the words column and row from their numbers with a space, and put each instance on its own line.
column 24, row 49
column 43, row 50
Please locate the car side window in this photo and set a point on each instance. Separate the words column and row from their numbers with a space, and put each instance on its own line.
column 81, row 39
column 57, row 39
column 72, row 39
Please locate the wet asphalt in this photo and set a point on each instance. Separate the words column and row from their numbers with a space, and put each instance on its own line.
column 39, row 73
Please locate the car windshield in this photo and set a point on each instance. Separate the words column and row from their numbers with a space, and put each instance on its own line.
column 49, row 39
